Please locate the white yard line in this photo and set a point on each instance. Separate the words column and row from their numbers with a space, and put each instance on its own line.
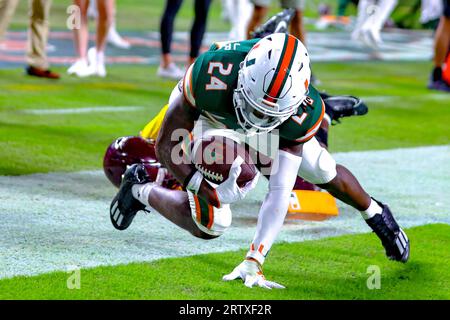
column 83, row 110
column 52, row 221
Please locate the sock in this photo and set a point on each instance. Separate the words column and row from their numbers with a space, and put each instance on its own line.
column 100, row 57
column 142, row 191
column 373, row 209
column 437, row 73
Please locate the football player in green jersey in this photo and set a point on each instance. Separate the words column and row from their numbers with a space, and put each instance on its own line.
column 242, row 90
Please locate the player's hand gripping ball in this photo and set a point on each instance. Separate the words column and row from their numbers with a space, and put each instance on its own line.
column 213, row 156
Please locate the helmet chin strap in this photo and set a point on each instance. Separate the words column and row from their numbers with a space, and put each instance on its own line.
column 244, row 121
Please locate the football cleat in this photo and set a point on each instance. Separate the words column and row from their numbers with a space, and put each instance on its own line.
column 393, row 238
column 440, row 85
column 279, row 23
column 343, row 106
column 124, row 206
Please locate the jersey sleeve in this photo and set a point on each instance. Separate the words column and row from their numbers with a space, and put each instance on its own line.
column 302, row 126
column 311, row 132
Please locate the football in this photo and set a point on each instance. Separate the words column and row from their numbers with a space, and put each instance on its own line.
column 214, row 155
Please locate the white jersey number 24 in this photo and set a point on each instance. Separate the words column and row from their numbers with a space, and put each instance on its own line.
column 216, row 83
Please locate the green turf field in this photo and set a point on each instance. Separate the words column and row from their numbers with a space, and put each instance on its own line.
column 402, row 112
column 334, row 268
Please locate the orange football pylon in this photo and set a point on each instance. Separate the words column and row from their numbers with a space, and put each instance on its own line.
column 312, row 205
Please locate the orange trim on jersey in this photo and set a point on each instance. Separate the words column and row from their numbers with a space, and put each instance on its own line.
column 314, row 128
column 320, row 119
column 252, row 247
column 198, row 210
column 188, row 86
column 211, row 216
column 283, row 67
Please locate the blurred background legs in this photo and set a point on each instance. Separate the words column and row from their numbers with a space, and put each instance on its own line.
column 80, row 40
column 167, row 68
column 91, row 62
column 201, row 8
column 7, row 9
column 114, row 38
column 372, row 15
column 441, row 52
column 238, row 13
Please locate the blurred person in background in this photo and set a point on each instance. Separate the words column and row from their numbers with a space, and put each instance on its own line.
column 441, row 50
column 38, row 29
column 91, row 62
column 168, row 68
column 114, row 38
column 342, row 6
column 238, row 13
column 372, row 16
column 7, row 9
column 261, row 7
column 430, row 13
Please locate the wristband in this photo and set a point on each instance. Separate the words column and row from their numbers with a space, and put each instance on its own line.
column 195, row 182
column 256, row 255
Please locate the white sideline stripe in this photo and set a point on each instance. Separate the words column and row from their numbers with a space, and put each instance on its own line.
column 55, row 220
column 83, row 110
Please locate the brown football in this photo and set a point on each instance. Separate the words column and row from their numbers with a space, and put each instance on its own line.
column 214, row 155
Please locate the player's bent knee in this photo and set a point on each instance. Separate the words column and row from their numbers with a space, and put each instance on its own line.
column 211, row 221
column 322, row 171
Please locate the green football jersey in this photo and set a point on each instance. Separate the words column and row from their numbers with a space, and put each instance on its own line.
column 210, row 82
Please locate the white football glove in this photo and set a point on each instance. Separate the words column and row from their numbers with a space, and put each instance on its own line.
column 251, row 273
column 228, row 191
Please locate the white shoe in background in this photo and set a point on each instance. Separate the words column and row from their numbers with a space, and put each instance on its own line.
column 96, row 63
column 116, row 40
column 371, row 37
column 170, row 72
column 79, row 66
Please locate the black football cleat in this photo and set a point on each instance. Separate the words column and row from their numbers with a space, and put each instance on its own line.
column 393, row 238
column 343, row 106
column 440, row 85
column 124, row 206
column 279, row 23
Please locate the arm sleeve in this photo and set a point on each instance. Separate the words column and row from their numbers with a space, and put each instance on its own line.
column 274, row 208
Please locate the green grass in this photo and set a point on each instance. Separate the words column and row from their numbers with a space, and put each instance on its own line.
column 334, row 268
column 148, row 14
column 412, row 116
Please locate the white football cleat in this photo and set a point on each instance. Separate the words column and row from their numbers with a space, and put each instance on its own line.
column 170, row 72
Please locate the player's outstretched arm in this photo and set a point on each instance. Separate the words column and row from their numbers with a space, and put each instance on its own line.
column 270, row 219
